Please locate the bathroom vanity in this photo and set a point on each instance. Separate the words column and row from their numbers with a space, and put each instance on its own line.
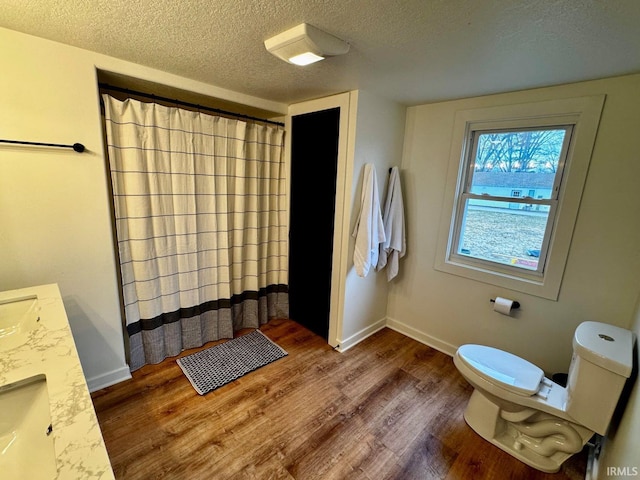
column 48, row 426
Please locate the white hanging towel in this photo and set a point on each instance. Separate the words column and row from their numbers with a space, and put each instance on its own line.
column 395, row 245
column 369, row 229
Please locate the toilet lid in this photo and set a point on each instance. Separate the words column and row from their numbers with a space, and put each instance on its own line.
column 502, row 368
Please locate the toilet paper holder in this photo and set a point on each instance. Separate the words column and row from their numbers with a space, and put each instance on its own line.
column 513, row 306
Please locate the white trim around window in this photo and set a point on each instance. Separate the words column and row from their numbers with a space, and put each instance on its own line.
column 580, row 115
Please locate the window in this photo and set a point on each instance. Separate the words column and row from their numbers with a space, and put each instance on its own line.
column 494, row 222
column 515, row 181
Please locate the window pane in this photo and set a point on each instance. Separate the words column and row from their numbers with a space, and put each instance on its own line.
column 517, row 164
column 493, row 231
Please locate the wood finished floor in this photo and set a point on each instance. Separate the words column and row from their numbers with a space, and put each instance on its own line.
column 389, row 408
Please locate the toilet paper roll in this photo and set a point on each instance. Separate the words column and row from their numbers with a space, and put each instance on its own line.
column 503, row 305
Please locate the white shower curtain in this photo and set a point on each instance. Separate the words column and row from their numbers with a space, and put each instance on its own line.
column 200, row 213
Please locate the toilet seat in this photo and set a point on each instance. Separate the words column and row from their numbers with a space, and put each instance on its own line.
column 502, row 368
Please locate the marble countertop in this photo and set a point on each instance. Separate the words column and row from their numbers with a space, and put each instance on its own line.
column 50, row 350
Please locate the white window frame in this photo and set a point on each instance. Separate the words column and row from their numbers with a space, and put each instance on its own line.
column 516, row 197
column 583, row 115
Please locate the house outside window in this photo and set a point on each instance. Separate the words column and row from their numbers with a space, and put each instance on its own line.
column 516, row 175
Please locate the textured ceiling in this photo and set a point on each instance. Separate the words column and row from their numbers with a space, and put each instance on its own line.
column 412, row 51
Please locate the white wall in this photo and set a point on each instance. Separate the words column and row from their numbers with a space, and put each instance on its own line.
column 600, row 281
column 379, row 133
column 55, row 221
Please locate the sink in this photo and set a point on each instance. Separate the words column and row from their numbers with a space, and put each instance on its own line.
column 26, row 439
column 18, row 317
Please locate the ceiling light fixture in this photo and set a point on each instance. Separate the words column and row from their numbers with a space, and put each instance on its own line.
column 305, row 44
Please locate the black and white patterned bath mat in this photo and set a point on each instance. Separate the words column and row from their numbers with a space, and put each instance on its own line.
column 216, row 366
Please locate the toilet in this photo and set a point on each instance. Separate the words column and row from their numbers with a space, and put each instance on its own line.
column 515, row 407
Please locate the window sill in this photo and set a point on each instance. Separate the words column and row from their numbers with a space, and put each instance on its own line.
column 530, row 284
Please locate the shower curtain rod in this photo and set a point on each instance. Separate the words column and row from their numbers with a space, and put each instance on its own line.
column 78, row 147
column 152, row 96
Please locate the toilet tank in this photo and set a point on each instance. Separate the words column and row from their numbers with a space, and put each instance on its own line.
column 601, row 363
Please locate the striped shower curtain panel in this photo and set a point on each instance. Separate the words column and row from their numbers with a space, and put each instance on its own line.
column 200, row 216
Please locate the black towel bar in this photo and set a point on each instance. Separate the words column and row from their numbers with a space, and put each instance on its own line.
column 77, row 147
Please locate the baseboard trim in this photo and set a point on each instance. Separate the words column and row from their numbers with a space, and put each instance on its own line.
column 421, row 337
column 122, row 374
column 593, row 458
column 347, row 343
column 399, row 327
column 108, row 379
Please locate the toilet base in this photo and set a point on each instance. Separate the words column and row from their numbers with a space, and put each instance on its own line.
column 543, row 453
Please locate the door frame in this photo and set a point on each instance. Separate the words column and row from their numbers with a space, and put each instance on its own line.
column 347, row 104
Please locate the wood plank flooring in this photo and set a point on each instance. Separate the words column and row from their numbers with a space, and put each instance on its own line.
column 389, row 408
